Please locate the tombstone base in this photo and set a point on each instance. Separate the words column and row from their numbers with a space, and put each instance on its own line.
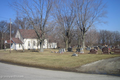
column 78, row 50
column 74, row 54
column 70, row 50
column 93, row 51
column 116, row 51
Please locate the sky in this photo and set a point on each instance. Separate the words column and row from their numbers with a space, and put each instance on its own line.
column 112, row 19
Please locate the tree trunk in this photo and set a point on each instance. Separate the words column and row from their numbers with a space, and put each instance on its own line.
column 66, row 44
column 22, row 47
column 69, row 44
column 41, row 46
column 79, row 42
column 2, row 42
column 83, row 40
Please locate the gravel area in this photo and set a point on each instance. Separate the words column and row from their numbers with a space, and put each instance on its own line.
column 105, row 66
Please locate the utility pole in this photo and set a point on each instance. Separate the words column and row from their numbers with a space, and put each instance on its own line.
column 10, row 35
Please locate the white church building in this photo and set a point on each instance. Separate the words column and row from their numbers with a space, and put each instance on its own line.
column 27, row 39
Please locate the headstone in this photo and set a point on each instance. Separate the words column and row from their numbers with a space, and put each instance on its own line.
column 62, row 50
column 117, row 47
column 100, row 47
column 78, row 50
column 79, row 46
column 74, row 54
column 88, row 48
column 5, row 41
column 117, row 51
column 105, row 50
column 109, row 48
column 112, row 47
column 70, row 49
column 96, row 47
column 81, row 50
column 93, row 51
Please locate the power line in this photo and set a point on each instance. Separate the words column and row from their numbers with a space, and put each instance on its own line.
column 4, row 17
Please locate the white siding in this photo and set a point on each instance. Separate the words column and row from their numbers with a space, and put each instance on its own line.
column 52, row 45
column 31, row 44
column 16, row 46
column 45, row 43
column 19, row 36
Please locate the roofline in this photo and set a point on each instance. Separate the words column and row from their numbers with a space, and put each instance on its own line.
column 16, row 43
column 20, row 33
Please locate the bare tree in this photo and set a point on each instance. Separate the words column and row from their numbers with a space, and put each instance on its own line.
column 65, row 17
column 37, row 13
column 89, row 12
column 116, row 38
column 105, row 37
column 92, row 36
column 22, row 23
column 109, row 37
column 3, row 29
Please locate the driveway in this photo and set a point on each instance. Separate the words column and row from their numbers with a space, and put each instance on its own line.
column 105, row 66
column 14, row 72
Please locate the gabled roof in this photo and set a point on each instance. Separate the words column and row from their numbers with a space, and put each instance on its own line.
column 8, row 41
column 14, row 40
column 28, row 33
column 17, row 40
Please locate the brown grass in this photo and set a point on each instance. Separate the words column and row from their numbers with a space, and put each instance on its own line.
column 50, row 60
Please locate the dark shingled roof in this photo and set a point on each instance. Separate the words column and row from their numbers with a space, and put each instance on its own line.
column 28, row 33
column 8, row 41
column 14, row 40
column 17, row 40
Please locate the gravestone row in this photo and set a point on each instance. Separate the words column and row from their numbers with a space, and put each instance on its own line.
column 80, row 50
column 105, row 50
column 62, row 50
column 115, row 49
column 108, row 50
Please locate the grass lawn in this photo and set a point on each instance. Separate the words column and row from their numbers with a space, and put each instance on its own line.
column 50, row 60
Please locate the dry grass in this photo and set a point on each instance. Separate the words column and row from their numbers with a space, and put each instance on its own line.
column 50, row 60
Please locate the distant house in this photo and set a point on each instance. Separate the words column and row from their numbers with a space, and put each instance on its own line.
column 28, row 39
column 52, row 45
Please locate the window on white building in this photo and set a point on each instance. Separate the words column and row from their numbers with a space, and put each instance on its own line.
column 33, row 43
column 28, row 43
column 19, row 45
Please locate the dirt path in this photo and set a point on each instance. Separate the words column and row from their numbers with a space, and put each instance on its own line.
column 105, row 66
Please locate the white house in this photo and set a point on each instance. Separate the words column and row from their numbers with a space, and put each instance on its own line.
column 27, row 39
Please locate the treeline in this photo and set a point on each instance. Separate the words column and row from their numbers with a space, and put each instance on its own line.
column 92, row 38
column 5, row 32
